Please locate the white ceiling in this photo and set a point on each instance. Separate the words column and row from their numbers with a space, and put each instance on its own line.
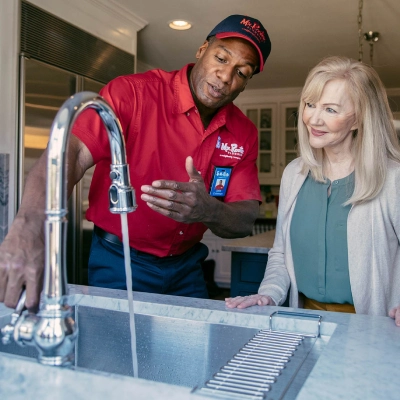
column 302, row 32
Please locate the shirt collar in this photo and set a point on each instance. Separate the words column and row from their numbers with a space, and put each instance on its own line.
column 184, row 102
column 183, row 99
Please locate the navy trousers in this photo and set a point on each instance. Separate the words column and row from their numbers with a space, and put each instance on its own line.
column 175, row 275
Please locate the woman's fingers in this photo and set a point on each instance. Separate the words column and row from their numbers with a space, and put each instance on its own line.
column 248, row 301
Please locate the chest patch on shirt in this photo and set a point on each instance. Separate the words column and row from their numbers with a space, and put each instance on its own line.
column 220, row 181
column 229, row 150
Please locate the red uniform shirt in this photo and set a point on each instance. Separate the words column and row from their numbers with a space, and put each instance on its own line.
column 162, row 127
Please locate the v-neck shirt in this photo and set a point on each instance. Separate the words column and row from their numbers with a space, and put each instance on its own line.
column 318, row 235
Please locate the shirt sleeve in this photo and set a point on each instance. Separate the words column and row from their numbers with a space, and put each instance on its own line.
column 276, row 280
column 90, row 129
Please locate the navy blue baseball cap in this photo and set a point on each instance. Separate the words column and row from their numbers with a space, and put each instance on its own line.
column 247, row 28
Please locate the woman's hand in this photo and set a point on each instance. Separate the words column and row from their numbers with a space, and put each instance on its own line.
column 252, row 300
column 395, row 314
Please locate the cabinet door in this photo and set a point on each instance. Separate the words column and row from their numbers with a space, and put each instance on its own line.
column 247, row 272
column 263, row 116
column 222, row 272
column 288, row 135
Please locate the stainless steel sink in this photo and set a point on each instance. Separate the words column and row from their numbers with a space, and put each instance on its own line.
column 171, row 349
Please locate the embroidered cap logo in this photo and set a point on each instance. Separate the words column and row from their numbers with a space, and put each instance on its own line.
column 254, row 29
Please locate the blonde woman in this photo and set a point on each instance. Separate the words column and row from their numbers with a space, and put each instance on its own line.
column 338, row 228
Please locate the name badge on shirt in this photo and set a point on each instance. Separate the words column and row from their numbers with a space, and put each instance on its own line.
column 220, row 181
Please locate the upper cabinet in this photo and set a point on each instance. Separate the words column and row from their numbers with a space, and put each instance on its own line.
column 288, row 134
column 264, row 118
column 276, row 122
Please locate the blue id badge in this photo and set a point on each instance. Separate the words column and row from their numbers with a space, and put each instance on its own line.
column 220, row 181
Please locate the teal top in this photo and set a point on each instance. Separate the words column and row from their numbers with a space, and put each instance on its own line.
column 318, row 236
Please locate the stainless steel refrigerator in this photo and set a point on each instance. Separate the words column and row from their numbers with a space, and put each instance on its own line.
column 44, row 89
column 57, row 60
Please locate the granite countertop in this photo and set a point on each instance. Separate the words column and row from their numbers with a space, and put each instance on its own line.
column 260, row 243
column 359, row 359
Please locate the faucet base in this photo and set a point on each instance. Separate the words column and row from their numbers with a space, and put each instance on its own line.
column 57, row 361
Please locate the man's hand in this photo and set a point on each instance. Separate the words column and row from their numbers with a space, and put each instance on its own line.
column 21, row 266
column 182, row 201
column 395, row 314
column 190, row 202
column 248, row 301
column 22, row 251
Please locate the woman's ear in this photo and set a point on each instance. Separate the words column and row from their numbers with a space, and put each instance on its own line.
column 354, row 127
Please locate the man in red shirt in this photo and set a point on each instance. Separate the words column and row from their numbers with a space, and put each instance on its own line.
column 182, row 134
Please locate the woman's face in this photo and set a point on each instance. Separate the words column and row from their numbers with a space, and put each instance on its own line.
column 331, row 120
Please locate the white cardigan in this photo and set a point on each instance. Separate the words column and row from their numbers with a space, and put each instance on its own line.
column 373, row 232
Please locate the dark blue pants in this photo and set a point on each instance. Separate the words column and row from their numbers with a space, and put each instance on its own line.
column 175, row 275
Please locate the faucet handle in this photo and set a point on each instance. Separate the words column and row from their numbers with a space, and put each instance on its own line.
column 8, row 330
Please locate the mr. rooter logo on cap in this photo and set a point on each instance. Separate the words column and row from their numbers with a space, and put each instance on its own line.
column 254, row 28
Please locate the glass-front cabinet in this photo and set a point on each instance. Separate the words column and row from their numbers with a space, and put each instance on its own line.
column 264, row 118
column 277, row 134
column 288, row 147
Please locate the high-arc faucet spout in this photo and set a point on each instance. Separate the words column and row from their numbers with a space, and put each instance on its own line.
column 121, row 193
column 53, row 330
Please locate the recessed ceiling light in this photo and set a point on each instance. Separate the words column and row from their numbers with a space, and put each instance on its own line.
column 180, row 25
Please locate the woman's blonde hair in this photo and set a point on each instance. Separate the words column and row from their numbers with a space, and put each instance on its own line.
column 374, row 142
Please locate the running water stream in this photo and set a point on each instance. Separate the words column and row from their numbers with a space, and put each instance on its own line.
column 128, row 273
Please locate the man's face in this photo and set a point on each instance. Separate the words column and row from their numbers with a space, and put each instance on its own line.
column 222, row 71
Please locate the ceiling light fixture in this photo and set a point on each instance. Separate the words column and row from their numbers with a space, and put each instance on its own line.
column 370, row 36
column 180, row 25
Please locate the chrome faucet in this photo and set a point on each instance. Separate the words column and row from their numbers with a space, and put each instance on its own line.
column 52, row 330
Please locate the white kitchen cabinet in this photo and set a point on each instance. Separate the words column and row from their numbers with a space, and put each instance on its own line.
column 287, row 135
column 264, row 118
column 222, row 272
column 277, row 134
column 274, row 112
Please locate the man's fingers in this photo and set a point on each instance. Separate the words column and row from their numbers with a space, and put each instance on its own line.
column 33, row 290
column 3, row 281
column 194, row 175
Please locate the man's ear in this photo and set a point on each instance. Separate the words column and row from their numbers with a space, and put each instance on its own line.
column 202, row 49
